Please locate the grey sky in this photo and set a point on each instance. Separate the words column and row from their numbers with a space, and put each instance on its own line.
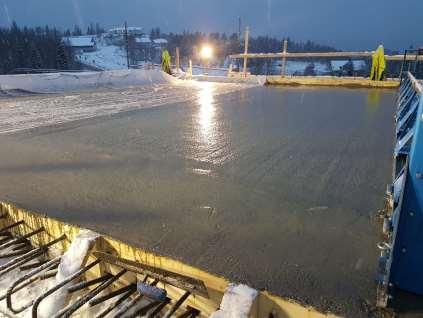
column 346, row 24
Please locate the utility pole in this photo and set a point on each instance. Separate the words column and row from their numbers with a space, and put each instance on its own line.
column 239, row 30
column 285, row 50
column 127, row 44
column 247, row 34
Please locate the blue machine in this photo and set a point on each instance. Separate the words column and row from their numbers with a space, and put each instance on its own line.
column 401, row 260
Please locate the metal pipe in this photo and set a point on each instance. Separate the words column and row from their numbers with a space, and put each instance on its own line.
column 176, row 305
column 53, row 263
column 83, row 285
column 60, row 285
column 70, row 309
column 115, row 293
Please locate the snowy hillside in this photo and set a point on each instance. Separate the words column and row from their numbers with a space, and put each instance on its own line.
column 107, row 57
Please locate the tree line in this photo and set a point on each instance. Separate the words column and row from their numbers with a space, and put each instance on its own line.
column 33, row 48
column 42, row 47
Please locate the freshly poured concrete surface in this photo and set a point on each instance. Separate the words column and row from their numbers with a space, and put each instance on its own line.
column 275, row 187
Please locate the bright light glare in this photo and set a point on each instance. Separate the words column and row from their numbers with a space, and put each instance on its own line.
column 206, row 52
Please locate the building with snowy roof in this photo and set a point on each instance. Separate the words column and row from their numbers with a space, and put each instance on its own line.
column 80, row 44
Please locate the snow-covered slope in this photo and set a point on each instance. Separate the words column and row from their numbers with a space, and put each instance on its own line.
column 107, row 57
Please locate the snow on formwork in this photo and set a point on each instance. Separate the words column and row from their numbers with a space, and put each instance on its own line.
column 237, row 302
column 66, row 82
column 71, row 261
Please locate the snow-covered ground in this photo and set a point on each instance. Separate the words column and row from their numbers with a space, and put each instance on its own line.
column 107, row 57
column 118, row 91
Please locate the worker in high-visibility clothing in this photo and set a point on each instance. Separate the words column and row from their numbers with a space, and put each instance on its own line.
column 378, row 64
column 166, row 62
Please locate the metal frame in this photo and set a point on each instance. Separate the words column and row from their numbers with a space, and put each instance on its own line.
column 401, row 259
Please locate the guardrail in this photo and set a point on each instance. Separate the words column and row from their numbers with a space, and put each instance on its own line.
column 401, row 259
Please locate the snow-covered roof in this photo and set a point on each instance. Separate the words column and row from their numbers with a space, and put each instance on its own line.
column 160, row 41
column 79, row 41
column 143, row 39
column 131, row 30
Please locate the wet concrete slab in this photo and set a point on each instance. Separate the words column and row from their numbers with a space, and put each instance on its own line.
column 274, row 187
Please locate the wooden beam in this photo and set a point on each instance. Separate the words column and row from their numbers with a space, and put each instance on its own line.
column 366, row 54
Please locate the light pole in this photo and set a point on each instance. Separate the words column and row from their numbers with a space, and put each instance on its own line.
column 206, row 54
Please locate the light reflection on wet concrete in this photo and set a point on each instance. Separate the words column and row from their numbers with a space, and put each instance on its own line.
column 275, row 187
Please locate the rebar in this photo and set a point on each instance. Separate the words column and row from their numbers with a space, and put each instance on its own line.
column 176, row 305
column 133, row 301
column 83, row 285
column 115, row 293
column 53, row 263
column 20, row 260
column 58, row 286
column 112, row 306
column 20, row 239
column 70, row 309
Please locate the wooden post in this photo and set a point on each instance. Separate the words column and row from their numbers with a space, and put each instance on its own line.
column 190, row 68
column 177, row 60
column 247, row 34
column 285, row 50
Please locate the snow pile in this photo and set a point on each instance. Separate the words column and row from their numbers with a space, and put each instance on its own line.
column 70, row 263
column 237, row 302
column 65, row 82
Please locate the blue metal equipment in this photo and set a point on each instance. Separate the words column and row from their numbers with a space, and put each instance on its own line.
column 401, row 260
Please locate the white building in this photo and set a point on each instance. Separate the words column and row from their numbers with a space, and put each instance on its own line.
column 80, row 44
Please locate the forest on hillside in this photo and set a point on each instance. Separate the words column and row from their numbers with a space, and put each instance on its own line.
column 35, row 48
column 41, row 48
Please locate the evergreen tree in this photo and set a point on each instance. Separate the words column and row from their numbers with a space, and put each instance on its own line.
column 61, row 58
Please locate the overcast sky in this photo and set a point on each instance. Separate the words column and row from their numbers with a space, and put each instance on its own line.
column 345, row 24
